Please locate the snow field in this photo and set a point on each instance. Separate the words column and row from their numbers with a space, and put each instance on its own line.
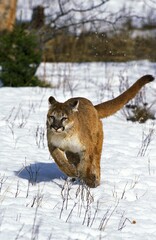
column 36, row 199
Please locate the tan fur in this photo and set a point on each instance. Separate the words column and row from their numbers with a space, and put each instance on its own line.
column 75, row 134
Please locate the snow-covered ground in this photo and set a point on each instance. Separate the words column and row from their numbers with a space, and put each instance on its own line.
column 36, row 199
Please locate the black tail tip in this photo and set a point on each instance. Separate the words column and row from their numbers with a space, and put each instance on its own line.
column 149, row 77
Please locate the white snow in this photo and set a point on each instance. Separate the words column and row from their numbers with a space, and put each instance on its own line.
column 36, row 200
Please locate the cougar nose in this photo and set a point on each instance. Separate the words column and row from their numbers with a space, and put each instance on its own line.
column 56, row 127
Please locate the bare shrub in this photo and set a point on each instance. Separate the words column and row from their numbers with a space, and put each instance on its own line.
column 146, row 140
column 33, row 173
column 40, row 137
column 3, row 179
column 18, row 117
column 138, row 110
column 123, row 221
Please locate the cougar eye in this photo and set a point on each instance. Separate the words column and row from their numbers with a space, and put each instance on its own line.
column 63, row 119
column 52, row 117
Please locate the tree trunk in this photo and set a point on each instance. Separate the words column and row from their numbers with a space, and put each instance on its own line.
column 7, row 14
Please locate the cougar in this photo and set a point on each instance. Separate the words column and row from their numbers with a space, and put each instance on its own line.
column 75, row 132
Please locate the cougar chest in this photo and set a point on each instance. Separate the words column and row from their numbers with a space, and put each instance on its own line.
column 68, row 143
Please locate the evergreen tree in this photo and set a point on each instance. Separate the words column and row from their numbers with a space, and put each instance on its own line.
column 19, row 58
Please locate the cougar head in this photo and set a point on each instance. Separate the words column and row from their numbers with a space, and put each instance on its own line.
column 60, row 117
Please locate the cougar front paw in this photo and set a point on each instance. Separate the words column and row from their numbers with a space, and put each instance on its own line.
column 92, row 181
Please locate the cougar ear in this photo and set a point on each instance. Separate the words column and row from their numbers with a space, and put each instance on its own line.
column 51, row 100
column 74, row 104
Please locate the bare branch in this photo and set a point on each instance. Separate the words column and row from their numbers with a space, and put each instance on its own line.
column 62, row 13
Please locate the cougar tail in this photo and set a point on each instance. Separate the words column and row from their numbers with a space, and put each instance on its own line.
column 112, row 106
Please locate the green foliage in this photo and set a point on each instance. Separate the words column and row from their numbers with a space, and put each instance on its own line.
column 19, row 58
